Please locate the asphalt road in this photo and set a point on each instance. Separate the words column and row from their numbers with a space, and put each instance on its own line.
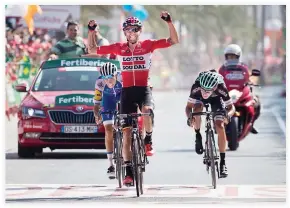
column 257, row 170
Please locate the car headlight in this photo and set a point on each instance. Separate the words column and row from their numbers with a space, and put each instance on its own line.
column 32, row 112
column 235, row 95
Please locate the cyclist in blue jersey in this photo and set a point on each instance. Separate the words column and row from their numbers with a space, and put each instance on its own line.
column 107, row 95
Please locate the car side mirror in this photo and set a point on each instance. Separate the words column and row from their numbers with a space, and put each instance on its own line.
column 256, row 72
column 21, row 87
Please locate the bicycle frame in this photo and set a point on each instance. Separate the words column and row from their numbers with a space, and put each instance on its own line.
column 210, row 155
column 138, row 152
column 118, row 146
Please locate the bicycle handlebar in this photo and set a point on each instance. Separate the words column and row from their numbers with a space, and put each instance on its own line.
column 204, row 113
column 129, row 115
column 133, row 115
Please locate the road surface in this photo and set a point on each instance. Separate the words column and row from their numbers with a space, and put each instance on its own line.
column 176, row 174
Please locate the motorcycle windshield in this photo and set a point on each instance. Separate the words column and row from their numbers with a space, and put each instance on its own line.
column 235, row 75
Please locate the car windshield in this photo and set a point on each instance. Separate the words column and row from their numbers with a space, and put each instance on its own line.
column 66, row 79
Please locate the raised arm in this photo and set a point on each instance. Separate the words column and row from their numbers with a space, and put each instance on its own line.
column 172, row 31
column 92, row 44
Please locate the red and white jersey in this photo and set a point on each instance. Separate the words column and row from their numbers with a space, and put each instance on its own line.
column 135, row 64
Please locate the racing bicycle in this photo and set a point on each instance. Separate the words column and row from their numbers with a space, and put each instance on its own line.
column 138, row 149
column 211, row 158
column 118, row 145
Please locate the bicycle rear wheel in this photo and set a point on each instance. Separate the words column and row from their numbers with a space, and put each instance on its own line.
column 210, row 140
column 119, row 158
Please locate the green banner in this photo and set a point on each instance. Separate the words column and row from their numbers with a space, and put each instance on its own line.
column 24, row 71
column 78, row 62
column 24, row 68
column 74, row 99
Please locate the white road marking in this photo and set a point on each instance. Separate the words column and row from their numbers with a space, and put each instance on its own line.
column 190, row 191
column 279, row 119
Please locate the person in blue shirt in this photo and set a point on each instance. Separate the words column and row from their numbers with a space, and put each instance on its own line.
column 107, row 94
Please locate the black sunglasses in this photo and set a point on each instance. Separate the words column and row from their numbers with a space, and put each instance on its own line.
column 135, row 29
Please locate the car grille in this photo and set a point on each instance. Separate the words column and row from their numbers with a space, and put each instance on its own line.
column 73, row 138
column 69, row 117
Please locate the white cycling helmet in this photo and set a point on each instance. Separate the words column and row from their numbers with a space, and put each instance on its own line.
column 108, row 69
column 233, row 49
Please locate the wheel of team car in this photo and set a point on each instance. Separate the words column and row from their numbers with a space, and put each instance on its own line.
column 39, row 150
column 26, row 152
column 232, row 134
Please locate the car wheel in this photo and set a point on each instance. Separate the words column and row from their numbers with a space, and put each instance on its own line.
column 39, row 150
column 25, row 152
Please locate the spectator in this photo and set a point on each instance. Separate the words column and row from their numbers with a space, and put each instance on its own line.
column 23, row 49
column 71, row 46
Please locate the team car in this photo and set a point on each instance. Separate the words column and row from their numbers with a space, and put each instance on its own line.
column 57, row 111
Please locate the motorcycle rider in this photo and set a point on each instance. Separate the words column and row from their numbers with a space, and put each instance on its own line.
column 233, row 56
column 209, row 87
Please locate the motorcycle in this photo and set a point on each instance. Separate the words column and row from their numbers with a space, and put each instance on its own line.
column 240, row 92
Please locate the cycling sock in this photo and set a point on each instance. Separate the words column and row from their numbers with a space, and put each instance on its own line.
column 128, row 168
column 149, row 134
column 148, row 137
column 223, row 155
column 110, row 157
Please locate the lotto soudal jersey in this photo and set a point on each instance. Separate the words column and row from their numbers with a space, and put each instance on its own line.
column 135, row 64
column 221, row 91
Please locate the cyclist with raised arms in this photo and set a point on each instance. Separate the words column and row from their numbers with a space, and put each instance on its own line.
column 135, row 59
column 209, row 87
column 107, row 93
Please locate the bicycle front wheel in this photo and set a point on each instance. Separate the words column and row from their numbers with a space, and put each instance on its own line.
column 210, row 140
column 136, row 163
column 119, row 158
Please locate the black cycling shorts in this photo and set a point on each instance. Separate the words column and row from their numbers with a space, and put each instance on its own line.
column 134, row 95
column 215, row 102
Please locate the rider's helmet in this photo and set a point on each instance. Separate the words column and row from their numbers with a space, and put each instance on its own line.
column 108, row 70
column 209, row 80
column 132, row 21
column 233, row 49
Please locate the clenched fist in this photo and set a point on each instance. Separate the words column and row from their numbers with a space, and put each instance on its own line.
column 92, row 25
column 165, row 16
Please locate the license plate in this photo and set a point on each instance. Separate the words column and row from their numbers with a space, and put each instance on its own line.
column 79, row 129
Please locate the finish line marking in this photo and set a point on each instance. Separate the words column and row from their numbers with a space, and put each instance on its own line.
column 47, row 191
